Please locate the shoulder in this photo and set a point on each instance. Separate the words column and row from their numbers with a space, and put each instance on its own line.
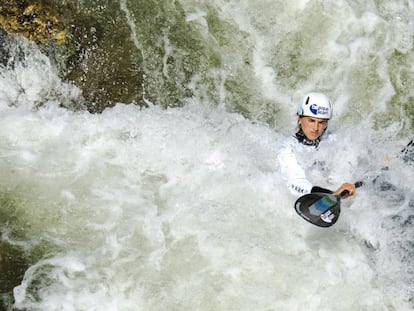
column 288, row 143
column 291, row 147
column 328, row 136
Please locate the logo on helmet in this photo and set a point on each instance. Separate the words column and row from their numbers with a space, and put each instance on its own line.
column 323, row 110
column 318, row 110
column 314, row 109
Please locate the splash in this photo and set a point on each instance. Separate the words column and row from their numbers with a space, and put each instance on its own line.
column 184, row 208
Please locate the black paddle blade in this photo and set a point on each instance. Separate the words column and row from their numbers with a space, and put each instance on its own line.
column 320, row 209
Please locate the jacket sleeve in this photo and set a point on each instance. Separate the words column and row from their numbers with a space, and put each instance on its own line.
column 292, row 172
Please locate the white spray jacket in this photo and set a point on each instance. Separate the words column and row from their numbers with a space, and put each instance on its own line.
column 293, row 159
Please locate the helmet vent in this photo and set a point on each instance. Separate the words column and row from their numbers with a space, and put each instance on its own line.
column 307, row 100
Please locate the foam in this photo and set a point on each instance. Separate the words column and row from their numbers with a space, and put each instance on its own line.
column 166, row 203
column 183, row 208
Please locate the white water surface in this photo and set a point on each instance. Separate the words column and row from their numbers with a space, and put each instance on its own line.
column 184, row 208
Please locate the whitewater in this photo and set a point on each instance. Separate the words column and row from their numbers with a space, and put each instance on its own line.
column 179, row 205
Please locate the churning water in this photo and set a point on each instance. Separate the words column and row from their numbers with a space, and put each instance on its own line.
column 183, row 208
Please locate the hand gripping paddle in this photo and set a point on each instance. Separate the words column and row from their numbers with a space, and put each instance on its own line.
column 321, row 209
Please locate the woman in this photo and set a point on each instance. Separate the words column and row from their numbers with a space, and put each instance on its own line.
column 314, row 112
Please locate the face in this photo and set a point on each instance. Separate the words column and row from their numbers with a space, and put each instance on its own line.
column 312, row 127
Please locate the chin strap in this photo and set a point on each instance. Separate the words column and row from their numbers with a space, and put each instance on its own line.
column 300, row 136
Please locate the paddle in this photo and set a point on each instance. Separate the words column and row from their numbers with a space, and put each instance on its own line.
column 408, row 152
column 321, row 209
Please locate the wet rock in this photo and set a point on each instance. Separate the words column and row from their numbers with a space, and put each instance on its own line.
column 90, row 44
column 12, row 268
column 37, row 21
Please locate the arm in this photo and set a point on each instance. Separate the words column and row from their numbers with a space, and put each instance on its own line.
column 292, row 172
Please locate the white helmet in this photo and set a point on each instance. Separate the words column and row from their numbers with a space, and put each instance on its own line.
column 315, row 105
